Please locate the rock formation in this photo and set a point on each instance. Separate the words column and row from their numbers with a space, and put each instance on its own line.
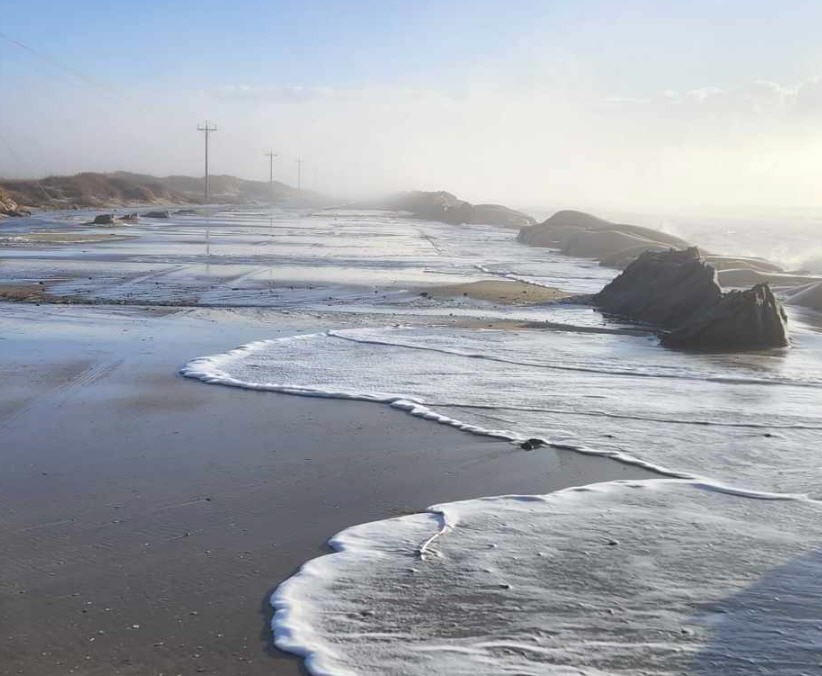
column 9, row 207
column 678, row 291
column 104, row 219
column 496, row 214
column 447, row 208
column 662, row 288
column 741, row 320
column 579, row 234
column 617, row 245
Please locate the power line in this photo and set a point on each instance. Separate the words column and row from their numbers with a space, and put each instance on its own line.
column 60, row 65
column 206, row 129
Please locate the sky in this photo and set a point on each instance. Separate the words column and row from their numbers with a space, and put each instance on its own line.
column 623, row 104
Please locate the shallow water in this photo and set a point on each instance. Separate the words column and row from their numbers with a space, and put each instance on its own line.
column 714, row 571
column 746, row 420
column 713, row 568
column 274, row 258
column 657, row 577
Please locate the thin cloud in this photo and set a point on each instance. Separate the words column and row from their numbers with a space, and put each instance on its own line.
column 272, row 94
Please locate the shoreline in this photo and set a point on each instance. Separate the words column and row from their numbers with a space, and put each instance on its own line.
column 124, row 477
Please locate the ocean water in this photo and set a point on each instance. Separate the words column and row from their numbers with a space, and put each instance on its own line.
column 713, row 568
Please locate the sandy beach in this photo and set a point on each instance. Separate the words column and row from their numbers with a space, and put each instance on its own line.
column 499, row 291
column 410, row 339
column 147, row 517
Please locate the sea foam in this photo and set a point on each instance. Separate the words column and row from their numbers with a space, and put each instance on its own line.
column 740, row 424
column 661, row 577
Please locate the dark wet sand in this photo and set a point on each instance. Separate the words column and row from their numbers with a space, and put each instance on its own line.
column 146, row 517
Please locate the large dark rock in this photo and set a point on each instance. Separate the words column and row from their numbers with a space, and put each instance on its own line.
column 678, row 291
column 662, row 288
column 744, row 320
column 104, row 219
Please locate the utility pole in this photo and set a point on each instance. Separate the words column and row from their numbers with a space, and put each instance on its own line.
column 299, row 172
column 271, row 155
column 206, row 129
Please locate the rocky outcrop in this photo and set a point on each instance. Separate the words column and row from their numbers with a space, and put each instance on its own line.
column 662, row 288
column 741, row 320
column 156, row 214
column 447, row 208
column 9, row 207
column 600, row 244
column 114, row 219
column 576, row 233
column 617, row 245
column 496, row 214
column 678, row 291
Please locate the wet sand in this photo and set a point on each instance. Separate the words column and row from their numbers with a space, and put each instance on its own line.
column 146, row 517
column 55, row 237
column 499, row 291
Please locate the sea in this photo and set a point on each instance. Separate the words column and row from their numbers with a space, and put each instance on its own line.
column 713, row 567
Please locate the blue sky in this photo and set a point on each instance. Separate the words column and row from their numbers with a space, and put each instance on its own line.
column 640, row 45
column 155, row 64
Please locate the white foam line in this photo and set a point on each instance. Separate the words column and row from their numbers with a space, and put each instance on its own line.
column 291, row 625
column 554, row 367
column 293, row 633
column 618, row 416
column 448, row 513
column 445, row 528
column 208, row 369
column 518, row 278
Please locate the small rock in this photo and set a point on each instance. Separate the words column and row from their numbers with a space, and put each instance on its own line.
column 531, row 444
